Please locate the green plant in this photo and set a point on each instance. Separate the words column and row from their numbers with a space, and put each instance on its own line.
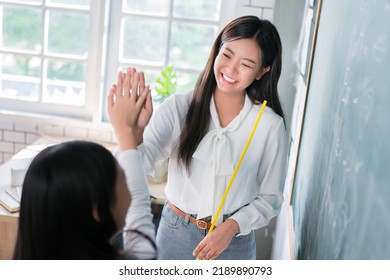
column 165, row 83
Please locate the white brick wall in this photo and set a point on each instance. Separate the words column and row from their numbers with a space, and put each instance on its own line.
column 16, row 132
column 101, row 136
column 14, row 136
column 74, row 132
column 262, row 3
column 6, row 125
column 51, row 129
column 264, row 9
column 6, row 147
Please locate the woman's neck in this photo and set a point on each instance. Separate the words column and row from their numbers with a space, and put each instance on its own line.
column 228, row 106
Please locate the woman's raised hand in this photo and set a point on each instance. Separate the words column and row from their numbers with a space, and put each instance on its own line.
column 129, row 108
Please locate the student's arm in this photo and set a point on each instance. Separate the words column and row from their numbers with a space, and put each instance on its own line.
column 139, row 215
column 130, row 108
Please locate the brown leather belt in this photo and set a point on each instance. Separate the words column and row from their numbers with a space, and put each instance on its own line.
column 199, row 223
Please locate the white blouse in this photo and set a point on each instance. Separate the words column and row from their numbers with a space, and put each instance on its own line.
column 256, row 194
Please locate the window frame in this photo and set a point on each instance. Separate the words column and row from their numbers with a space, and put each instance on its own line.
column 92, row 60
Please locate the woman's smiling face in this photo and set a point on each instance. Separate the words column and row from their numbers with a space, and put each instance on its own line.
column 237, row 65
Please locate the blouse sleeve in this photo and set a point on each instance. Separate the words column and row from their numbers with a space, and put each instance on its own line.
column 139, row 216
column 161, row 131
column 270, row 177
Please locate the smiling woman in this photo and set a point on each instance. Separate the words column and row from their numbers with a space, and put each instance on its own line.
column 203, row 133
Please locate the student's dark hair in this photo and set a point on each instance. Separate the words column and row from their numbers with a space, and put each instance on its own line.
column 62, row 185
column 198, row 117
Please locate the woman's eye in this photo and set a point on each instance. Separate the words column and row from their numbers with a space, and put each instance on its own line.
column 247, row 66
column 225, row 55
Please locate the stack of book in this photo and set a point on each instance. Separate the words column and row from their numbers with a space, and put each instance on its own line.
column 10, row 198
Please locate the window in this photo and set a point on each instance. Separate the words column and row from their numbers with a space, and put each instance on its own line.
column 59, row 57
column 44, row 54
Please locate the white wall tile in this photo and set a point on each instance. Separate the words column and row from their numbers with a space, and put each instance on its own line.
column 16, row 133
column 14, row 136
column 78, row 133
column 251, row 11
column 100, row 136
column 26, row 127
column 49, row 129
column 31, row 137
column 19, row 147
column 7, row 125
column 263, row 3
column 6, row 147
column 268, row 14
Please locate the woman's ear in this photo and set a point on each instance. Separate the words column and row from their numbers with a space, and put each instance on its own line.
column 262, row 72
column 95, row 213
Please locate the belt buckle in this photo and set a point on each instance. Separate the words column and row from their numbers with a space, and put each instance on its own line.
column 201, row 224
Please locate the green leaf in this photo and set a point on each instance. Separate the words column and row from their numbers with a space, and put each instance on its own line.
column 166, row 82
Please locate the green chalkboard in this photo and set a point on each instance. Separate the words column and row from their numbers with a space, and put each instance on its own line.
column 341, row 198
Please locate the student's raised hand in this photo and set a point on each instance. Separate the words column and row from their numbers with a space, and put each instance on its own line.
column 129, row 108
column 216, row 241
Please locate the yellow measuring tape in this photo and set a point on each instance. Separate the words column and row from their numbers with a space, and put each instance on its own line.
column 237, row 167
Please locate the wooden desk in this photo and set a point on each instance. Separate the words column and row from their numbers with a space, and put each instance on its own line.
column 21, row 160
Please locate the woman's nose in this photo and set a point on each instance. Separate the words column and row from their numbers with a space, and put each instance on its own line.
column 233, row 67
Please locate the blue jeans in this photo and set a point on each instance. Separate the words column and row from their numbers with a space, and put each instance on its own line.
column 177, row 238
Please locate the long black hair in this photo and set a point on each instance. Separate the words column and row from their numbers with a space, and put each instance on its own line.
column 62, row 186
column 198, row 116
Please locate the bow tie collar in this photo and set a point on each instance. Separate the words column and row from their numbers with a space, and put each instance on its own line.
column 215, row 152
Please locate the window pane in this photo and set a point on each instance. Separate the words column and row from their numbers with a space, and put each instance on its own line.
column 65, row 83
column 20, row 77
column 191, row 52
column 20, row 89
column 66, row 71
column 65, row 93
column 21, row 65
column 151, row 7
column 68, row 32
column 199, row 9
column 26, row 1
column 144, row 40
column 82, row 3
column 22, row 28
column 186, row 81
column 150, row 76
